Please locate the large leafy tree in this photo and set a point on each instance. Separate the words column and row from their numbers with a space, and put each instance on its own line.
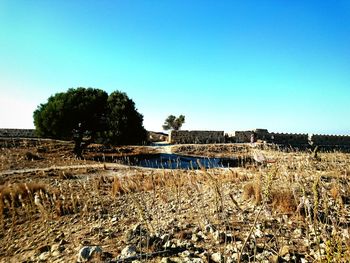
column 124, row 121
column 66, row 111
column 173, row 122
column 110, row 119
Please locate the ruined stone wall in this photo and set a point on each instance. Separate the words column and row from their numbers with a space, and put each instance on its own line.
column 330, row 140
column 293, row 139
column 20, row 133
column 242, row 136
column 196, row 137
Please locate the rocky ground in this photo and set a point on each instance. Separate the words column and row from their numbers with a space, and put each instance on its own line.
column 292, row 207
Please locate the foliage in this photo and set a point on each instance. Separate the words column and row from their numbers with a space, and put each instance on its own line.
column 174, row 123
column 123, row 120
column 108, row 119
column 64, row 111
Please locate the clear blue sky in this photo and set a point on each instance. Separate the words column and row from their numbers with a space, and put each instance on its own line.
column 225, row 65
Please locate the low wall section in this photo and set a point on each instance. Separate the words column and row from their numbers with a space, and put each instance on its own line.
column 293, row 139
column 242, row 136
column 196, row 137
column 19, row 133
column 330, row 140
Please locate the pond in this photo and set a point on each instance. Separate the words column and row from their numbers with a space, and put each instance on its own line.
column 175, row 161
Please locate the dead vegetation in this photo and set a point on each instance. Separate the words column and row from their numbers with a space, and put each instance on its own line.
column 296, row 209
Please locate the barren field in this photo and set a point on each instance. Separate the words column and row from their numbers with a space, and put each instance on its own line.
column 290, row 207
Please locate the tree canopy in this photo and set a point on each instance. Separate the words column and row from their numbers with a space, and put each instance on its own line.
column 173, row 122
column 111, row 119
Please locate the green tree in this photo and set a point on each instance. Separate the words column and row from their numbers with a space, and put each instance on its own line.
column 124, row 121
column 173, row 123
column 109, row 119
column 65, row 111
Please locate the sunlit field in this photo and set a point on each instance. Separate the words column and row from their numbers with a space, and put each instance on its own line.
column 291, row 206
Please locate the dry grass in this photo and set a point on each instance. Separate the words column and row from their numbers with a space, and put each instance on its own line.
column 252, row 190
column 175, row 202
column 20, row 191
column 283, row 201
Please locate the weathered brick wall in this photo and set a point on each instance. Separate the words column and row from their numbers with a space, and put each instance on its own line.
column 196, row 137
column 24, row 133
column 330, row 140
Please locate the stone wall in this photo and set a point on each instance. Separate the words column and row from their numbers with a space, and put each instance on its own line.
column 330, row 140
column 196, row 137
column 293, row 139
column 242, row 136
column 270, row 137
column 20, row 133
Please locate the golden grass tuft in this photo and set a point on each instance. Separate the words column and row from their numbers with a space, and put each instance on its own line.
column 252, row 190
column 334, row 192
column 22, row 190
column 283, row 201
column 117, row 187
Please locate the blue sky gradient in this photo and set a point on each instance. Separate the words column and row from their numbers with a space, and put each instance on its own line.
column 225, row 65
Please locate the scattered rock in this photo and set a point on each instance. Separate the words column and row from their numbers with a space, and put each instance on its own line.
column 137, row 236
column 45, row 248
column 165, row 260
column 57, row 247
column 128, row 251
column 88, row 252
column 44, row 256
column 219, row 236
column 217, row 257
column 209, row 228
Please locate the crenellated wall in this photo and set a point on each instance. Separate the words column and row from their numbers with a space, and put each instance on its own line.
column 330, row 140
column 242, row 136
column 20, row 133
column 293, row 139
column 196, row 137
column 245, row 136
column 201, row 137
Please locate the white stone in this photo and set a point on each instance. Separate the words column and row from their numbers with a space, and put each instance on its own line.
column 217, row 257
column 44, row 256
column 128, row 251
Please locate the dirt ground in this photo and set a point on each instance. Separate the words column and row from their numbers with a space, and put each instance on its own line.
column 290, row 207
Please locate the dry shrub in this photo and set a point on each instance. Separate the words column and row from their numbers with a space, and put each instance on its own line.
column 283, row 201
column 183, row 234
column 230, row 176
column 15, row 194
column 252, row 190
column 31, row 156
column 117, row 187
column 23, row 190
column 66, row 175
column 334, row 191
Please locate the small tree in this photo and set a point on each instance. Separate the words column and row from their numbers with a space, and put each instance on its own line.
column 173, row 123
